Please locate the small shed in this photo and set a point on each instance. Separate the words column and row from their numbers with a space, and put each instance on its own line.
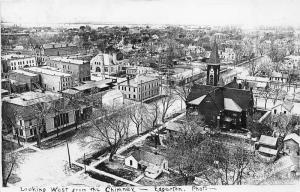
column 268, row 141
column 291, row 144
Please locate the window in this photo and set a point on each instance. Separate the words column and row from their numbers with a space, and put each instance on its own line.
column 129, row 96
column 31, row 132
column 284, row 112
column 211, row 79
column 275, row 111
column 134, row 96
column 21, row 123
column 30, row 122
column 130, row 162
column 20, row 132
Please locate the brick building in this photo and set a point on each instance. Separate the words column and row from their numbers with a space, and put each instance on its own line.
column 79, row 69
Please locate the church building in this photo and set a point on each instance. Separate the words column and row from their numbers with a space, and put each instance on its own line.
column 225, row 106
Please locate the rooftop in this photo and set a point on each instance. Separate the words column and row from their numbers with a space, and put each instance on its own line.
column 48, row 71
column 67, row 60
column 23, row 72
column 148, row 157
column 15, row 56
column 230, row 105
column 31, row 98
column 294, row 137
column 57, row 45
column 267, row 150
column 138, row 80
column 187, row 73
column 258, row 79
column 70, row 91
column 197, row 101
column 267, row 140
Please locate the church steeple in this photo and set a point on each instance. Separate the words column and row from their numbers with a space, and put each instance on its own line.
column 213, row 66
column 214, row 55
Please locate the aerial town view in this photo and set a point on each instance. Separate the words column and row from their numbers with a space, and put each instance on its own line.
column 150, row 93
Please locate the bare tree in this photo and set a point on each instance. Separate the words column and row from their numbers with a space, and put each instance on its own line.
column 183, row 151
column 226, row 164
column 266, row 94
column 183, row 91
column 154, row 112
column 238, row 51
column 138, row 115
column 40, row 111
column 111, row 127
column 253, row 67
column 166, row 103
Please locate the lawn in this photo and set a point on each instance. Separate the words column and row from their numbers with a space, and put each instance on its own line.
column 57, row 141
column 9, row 146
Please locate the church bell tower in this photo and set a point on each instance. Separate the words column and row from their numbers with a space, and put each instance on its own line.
column 213, row 66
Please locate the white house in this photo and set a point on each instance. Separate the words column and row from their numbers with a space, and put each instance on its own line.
column 154, row 163
column 283, row 108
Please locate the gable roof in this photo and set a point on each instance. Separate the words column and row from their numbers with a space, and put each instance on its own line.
column 267, row 140
column 198, row 100
column 230, row 105
column 148, row 157
column 268, row 150
column 237, row 98
column 294, row 137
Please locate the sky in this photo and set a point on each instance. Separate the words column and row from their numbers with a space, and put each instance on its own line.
column 197, row 12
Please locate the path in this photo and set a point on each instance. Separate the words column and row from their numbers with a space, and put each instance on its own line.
column 125, row 147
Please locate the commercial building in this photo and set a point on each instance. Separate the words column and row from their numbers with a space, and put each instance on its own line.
column 44, row 112
column 140, row 88
column 32, row 80
column 79, row 69
column 53, row 80
column 15, row 61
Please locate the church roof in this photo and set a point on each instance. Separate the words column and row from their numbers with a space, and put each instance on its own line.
column 230, row 105
column 225, row 98
column 198, row 100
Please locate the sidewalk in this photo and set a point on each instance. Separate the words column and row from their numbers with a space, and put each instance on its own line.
column 122, row 149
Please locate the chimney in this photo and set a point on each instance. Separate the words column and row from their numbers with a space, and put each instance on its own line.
column 234, row 79
column 240, row 86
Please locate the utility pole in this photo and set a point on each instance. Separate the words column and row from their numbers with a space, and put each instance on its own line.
column 69, row 155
